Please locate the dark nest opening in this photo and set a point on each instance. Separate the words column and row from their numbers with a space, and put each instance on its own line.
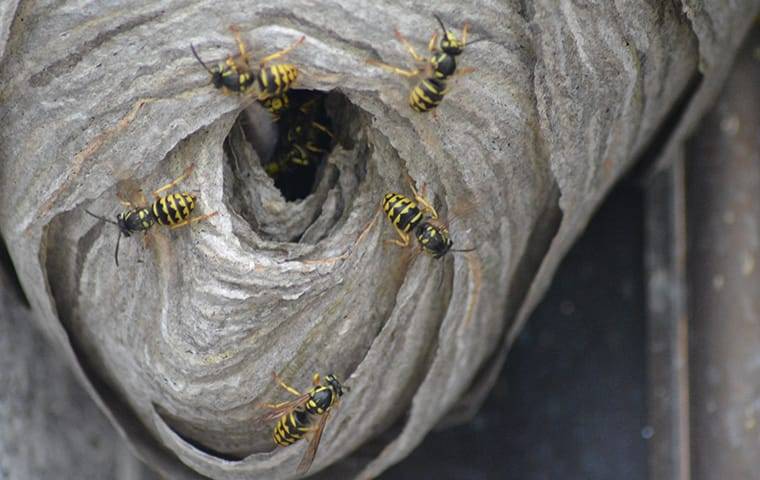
column 293, row 170
column 300, row 139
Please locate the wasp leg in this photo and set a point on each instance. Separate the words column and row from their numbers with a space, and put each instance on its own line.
column 404, row 242
column 464, row 33
column 273, row 406
column 409, row 48
column 398, row 71
column 230, row 62
column 245, row 56
column 316, row 380
column 190, row 221
column 174, row 182
column 426, row 206
column 369, row 226
column 284, row 385
column 463, row 71
column 433, row 41
column 282, row 52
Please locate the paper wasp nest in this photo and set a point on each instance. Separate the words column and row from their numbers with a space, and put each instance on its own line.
column 178, row 344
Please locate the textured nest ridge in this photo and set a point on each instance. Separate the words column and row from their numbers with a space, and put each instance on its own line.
column 178, row 344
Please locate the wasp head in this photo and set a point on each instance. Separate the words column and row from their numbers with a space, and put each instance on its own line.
column 134, row 220
column 216, row 76
column 433, row 238
column 449, row 42
column 334, row 384
column 124, row 221
column 216, row 72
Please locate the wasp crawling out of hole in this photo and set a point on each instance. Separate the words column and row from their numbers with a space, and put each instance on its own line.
column 304, row 416
column 305, row 137
column 418, row 216
column 172, row 210
column 434, row 71
column 236, row 75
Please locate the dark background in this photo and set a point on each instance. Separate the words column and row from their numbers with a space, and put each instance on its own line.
column 570, row 402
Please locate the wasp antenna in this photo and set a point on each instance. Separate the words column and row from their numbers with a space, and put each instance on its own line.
column 440, row 22
column 462, row 250
column 199, row 59
column 116, row 252
column 101, row 218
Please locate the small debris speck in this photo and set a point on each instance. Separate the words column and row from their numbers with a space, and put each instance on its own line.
column 730, row 125
column 567, row 307
column 748, row 264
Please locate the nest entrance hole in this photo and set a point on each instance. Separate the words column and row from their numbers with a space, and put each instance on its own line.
column 298, row 141
column 294, row 174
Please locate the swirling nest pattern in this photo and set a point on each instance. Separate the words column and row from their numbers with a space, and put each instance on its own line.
column 178, row 344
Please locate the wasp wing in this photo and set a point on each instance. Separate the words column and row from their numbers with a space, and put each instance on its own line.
column 284, row 408
column 311, row 452
column 129, row 192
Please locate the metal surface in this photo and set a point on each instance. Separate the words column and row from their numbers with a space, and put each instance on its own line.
column 570, row 402
column 723, row 178
column 667, row 324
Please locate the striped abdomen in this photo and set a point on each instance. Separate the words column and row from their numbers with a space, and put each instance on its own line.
column 401, row 211
column 276, row 104
column 174, row 208
column 427, row 94
column 291, row 427
column 274, row 80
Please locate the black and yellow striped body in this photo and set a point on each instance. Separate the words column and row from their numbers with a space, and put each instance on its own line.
column 427, row 94
column 230, row 76
column 174, row 208
column 276, row 105
column 443, row 65
column 291, row 427
column 304, row 136
column 274, row 80
column 134, row 220
column 433, row 238
column 314, row 137
column 296, row 156
column 402, row 212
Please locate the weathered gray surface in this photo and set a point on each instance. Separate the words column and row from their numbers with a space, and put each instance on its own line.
column 181, row 346
column 50, row 428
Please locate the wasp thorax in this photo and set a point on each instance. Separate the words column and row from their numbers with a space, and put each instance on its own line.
column 434, row 239
column 444, row 65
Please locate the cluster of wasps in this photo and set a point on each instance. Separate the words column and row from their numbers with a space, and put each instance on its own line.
column 305, row 136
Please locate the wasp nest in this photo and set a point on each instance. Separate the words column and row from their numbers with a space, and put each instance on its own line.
column 178, row 344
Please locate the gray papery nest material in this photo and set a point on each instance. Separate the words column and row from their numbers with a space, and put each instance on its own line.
column 177, row 345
